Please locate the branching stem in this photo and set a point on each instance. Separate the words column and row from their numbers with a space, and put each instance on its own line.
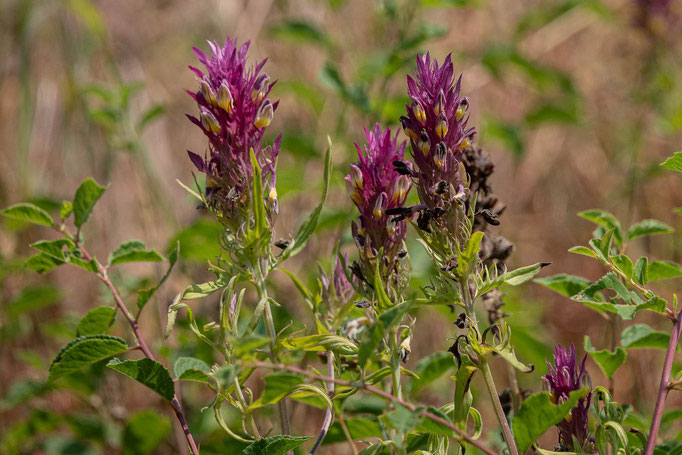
column 380, row 393
column 664, row 386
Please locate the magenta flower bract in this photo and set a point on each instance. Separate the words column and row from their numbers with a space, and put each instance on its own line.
column 436, row 124
column 234, row 111
column 563, row 378
column 375, row 187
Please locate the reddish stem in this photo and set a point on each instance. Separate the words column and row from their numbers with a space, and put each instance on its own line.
column 142, row 345
column 379, row 392
column 664, row 386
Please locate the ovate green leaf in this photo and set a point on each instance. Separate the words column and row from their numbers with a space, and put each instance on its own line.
column 87, row 195
column 85, row 351
column 29, row 213
column 147, row 372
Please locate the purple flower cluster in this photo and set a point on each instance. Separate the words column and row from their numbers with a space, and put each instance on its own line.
column 436, row 124
column 563, row 378
column 234, row 111
column 376, row 187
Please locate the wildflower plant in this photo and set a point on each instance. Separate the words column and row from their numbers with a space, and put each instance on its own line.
column 362, row 311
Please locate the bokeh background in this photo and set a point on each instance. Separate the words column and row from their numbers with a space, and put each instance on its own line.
column 577, row 101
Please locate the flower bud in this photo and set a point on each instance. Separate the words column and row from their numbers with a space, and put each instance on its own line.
column 209, row 122
column 225, row 100
column 207, row 92
column 439, row 108
column 461, row 109
column 402, row 186
column 441, row 153
column 424, row 143
column 265, row 114
column 355, row 176
column 441, row 125
column 418, row 111
column 404, row 350
column 260, row 87
column 378, row 211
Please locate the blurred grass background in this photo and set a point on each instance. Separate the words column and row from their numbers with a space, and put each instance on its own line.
column 577, row 100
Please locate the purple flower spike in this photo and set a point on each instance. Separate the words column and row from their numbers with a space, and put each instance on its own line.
column 563, row 378
column 436, row 124
column 234, row 111
column 377, row 188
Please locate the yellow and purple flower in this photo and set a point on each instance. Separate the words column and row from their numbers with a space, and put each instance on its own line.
column 376, row 187
column 565, row 377
column 436, row 124
column 234, row 111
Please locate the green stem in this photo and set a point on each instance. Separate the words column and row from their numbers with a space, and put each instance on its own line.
column 272, row 333
column 247, row 413
column 487, row 375
column 395, row 364
column 501, row 417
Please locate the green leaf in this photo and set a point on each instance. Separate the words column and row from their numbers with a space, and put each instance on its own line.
column 90, row 266
column 608, row 361
column 674, row 163
column 606, row 220
column 297, row 30
column 145, row 294
column 640, row 274
column 133, row 251
column 564, row 284
column 430, row 368
column 33, row 298
column 663, row 270
column 96, row 321
column 54, row 248
column 65, row 210
column 358, row 427
column 432, row 427
column 87, row 195
column 538, row 414
column 224, row 376
column 609, row 281
column 144, row 432
column 147, row 372
column 150, row 115
column 191, row 369
column 276, row 445
column 370, row 339
column 84, row 351
column 583, row 250
column 277, row 386
column 624, row 264
column 383, row 300
column 29, row 213
column 308, row 227
column 42, row 263
column 523, row 274
column 643, row 336
column 259, row 216
column 401, row 419
column 648, row 227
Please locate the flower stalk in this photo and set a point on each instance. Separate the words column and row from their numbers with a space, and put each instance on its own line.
column 664, row 386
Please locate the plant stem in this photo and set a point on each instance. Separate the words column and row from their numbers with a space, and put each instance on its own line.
column 272, row 333
column 379, row 392
column 395, row 364
column 175, row 403
column 664, row 386
column 248, row 414
column 487, row 375
column 506, row 431
column 330, row 410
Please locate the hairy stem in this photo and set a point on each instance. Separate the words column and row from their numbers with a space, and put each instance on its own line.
column 330, row 411
column 492, row 390
column 395, row 364
column 175, row 403
column 664, row 386
column 487, row 375
column 361, row 385
column 272, row 333
column 248, row 414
